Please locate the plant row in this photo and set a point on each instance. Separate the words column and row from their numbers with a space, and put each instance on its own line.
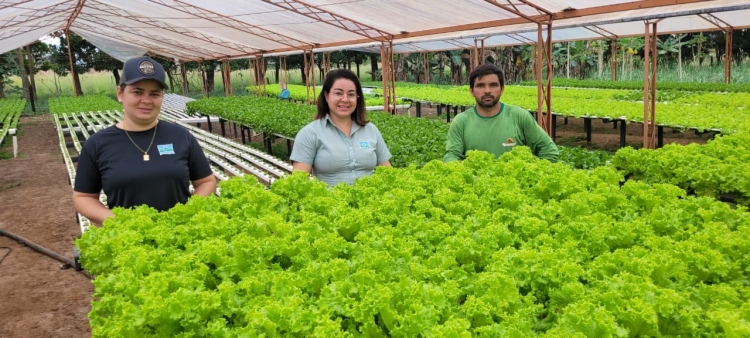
column 299, row 93
column 410, row 140
column 721, row 166
column 699, row 110
column 513, row 247
column 635, row 85
column 60, row 105
column 10, row 111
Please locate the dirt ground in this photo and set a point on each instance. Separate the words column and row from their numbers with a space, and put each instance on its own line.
column 37, row 297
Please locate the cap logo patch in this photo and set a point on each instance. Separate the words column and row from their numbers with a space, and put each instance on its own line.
column 146, row 67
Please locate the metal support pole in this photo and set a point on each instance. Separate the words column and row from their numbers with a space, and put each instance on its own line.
column 660, row 133
column 728, row 56
column 388, row 77
column 649, row 84
column 208, row 120
column 554, row 127
column 587, row 126
column 223, row 131
column 544, row 89
column 419, row 108
column 623, row 132
column 655, row 53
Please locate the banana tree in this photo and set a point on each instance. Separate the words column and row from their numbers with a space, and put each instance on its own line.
column 629, row 48
column 673, row 44
column 698, row 41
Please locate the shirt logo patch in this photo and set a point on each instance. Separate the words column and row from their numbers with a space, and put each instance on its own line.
column 509, row 142
column 364, row 145
column 146, row 67
column 165, row 149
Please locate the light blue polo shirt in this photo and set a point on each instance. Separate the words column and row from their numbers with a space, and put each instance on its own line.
column 336, row 158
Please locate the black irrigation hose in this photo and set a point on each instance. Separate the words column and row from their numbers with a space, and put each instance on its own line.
column 6, row 254
column 67, row 261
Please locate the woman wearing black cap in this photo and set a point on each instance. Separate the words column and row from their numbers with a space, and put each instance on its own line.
column 140, row 160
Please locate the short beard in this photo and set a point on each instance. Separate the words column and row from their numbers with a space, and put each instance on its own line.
column 481, row 103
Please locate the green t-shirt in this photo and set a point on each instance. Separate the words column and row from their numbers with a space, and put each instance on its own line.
column 498, row 134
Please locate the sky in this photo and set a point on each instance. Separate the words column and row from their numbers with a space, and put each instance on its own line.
column 50, row 40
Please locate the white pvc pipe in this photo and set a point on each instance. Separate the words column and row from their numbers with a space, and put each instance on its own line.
column 15, row 142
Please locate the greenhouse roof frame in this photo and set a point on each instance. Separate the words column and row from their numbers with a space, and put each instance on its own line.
column 192, row 30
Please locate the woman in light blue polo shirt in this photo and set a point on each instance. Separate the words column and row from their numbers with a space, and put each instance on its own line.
column 341, row 145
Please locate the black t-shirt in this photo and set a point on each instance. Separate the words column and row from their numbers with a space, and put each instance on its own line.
column 111, row 162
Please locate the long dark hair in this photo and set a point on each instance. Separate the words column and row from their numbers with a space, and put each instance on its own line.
column 360, row 113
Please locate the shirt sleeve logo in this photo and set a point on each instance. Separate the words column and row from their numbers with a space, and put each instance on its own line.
column 509, row 142
column 364, row 145
column 165, row 149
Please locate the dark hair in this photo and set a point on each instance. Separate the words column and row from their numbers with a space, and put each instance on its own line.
column 360, row 113
column 486, row 69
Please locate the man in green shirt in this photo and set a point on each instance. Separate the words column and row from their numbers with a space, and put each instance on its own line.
column 493, row 126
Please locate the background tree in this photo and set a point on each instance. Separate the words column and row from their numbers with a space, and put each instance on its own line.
column 8, row 67
column 81, row 51
column 101, row 61
column 670, row 45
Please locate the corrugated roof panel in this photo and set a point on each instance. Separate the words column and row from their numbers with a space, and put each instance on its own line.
column 735, row 18
column 579, row 4
column 155, row 45
column 397, row 16
column 119, row 50
column 14, row 41
column 218, row 29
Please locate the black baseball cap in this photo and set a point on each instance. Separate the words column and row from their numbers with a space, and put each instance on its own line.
column 142, row 68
